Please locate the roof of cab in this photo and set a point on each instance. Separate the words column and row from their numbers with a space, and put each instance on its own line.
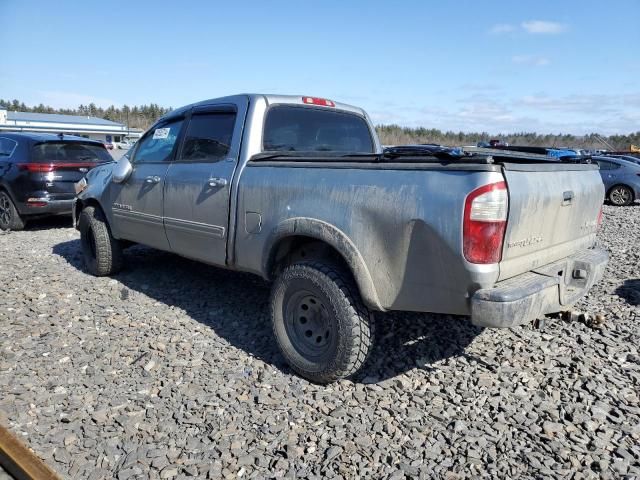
column 269, row 98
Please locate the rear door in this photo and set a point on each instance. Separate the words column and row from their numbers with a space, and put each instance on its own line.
column 137, row 203
column 553, row 213
column 198, row 183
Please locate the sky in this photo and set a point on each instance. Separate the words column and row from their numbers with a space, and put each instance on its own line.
column 561, row 66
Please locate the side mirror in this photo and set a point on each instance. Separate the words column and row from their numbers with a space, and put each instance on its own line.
column 122, row 170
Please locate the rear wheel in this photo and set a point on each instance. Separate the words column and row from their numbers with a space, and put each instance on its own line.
column 9, row 217
column 621, row 195
column 322, row 327
column 102, row 253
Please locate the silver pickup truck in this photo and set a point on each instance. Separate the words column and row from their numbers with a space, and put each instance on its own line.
column 298, row 190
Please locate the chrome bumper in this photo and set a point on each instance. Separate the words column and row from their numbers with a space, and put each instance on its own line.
column 548, row 289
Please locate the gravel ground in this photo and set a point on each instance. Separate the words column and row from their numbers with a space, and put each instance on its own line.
column 4, row 475
column 169, row 370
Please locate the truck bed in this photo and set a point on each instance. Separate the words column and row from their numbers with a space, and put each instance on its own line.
column 404, row 218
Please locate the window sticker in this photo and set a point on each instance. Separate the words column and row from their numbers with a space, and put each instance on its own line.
column 161, row 133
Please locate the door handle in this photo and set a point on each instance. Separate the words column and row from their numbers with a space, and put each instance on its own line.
column 217, row 182
column 152, row 179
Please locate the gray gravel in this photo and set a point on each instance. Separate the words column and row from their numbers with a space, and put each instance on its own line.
column 4, row 475
column 169, row 370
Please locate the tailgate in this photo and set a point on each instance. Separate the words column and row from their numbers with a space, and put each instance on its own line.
column 553, row 213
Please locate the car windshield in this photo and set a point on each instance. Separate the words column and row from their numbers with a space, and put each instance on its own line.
column 302, row 129
column 53, row 152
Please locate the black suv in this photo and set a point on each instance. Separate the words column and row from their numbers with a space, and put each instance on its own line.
column 38, row 172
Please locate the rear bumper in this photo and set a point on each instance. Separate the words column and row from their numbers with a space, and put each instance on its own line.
column 548, row 289
column 51, row 207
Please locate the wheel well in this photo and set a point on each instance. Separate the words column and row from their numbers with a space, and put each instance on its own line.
column 11, row 197
column 633, row 194
column 89, row 202
column 296, row 248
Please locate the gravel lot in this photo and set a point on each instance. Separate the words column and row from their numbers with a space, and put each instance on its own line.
column 169, row 370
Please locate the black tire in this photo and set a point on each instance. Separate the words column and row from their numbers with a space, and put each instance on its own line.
column 322, row 327
column 10, row 219
column 102, row 253
column 621, row 196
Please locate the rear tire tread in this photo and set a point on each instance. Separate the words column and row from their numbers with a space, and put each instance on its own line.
column 360, row 318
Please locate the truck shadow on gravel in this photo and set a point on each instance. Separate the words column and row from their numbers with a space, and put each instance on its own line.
column 629, row 291
column 46, row 223
column 236, row 307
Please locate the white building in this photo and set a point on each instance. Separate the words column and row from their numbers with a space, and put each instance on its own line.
column 88, row 127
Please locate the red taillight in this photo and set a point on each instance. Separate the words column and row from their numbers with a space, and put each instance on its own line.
column 52, row 167
column 600, row 217
column 37, row 167
column 484, row 224
column 318, row 101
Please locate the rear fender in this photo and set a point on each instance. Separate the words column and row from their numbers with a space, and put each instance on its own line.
column 332, row 236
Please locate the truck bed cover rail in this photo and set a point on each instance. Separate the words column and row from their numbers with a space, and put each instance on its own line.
column 420, row 154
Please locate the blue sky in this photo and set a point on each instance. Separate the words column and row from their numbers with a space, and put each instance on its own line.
column 497, row 66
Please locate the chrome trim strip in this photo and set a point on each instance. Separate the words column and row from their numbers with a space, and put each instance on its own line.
column 172, row 223
column 136, row 216
column 194, row 227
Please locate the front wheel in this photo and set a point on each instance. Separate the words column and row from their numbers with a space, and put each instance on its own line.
column 102, row 253
column 9, row 217
column 621, row 196
column 322, row 327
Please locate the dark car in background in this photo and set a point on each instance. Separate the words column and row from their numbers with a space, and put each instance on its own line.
column 621, row 178
column 38, row 173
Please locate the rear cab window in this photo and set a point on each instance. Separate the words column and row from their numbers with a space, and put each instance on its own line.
column 69, row 152
column 304, row 129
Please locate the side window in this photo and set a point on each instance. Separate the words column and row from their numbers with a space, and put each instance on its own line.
column 7, row 146
column 158, row 144
column 604, row 165
column 208, row 137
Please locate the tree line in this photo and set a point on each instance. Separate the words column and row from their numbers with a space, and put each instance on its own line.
column 137, row 116
column 397, row 135
column 143, row 116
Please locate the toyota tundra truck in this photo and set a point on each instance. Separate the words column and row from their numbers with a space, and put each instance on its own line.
column 298, row 190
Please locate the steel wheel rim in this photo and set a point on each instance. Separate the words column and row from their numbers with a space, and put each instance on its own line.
column 620, row 196
column 309, row 325
column 5, row 209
